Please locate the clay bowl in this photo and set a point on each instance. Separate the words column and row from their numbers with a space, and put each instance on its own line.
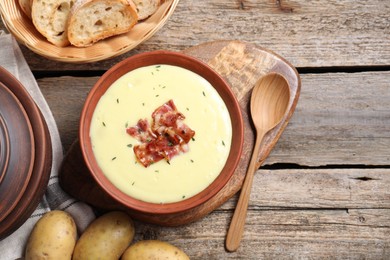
column 154, row 58
column 17, row 145
column 28, row 136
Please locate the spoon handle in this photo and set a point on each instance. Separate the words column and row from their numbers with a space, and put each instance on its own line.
column 236, row 228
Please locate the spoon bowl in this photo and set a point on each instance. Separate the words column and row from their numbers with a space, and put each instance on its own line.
column 269, row 102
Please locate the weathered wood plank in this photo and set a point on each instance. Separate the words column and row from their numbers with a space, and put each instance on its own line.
column 307, row 33
column 66, row 96
column 284, row 234
column 320, row 188
column 341, row 119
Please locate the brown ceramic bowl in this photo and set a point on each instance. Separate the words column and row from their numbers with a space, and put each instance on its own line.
column 169, row 58
column 29, row 137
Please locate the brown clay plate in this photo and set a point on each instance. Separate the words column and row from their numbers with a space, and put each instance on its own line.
column 17, row 144
column 41, row 166
column 240, row 64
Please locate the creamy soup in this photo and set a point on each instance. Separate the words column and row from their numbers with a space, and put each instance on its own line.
column 136, row 95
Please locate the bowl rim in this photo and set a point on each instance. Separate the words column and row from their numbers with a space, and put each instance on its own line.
column 168, row 58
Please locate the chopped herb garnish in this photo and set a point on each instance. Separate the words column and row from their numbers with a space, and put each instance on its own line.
column 193, row 139
column 204, row 94
column 143, row 104
column 133, row 183
column 127, row 124
column 152, row 73
column 113, row 158
column 223, row 143
column 129, row 145
column 158, row 66
column 156, row 171
column 169, row 162
column 117, row 100
column 183, row 196
column 187, row 109
column 104, row 124
column 192, row 160
column 157, row 95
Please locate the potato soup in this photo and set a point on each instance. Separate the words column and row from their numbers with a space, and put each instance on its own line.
column 127, row 121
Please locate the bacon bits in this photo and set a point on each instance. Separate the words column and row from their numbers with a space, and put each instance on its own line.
column 165, row 138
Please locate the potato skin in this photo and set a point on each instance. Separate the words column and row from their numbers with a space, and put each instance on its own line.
column 153, row 249
column 53, row 237
column 106, row 238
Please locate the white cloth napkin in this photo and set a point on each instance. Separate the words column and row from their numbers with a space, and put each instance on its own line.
column 12, row 247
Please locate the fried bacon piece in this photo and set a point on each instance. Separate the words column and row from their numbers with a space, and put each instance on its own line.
column 167, row 137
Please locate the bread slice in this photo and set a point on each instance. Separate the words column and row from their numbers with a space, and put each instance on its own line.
column 93, row 20
column 25, row 5
column 50, row 18
column 146, row 8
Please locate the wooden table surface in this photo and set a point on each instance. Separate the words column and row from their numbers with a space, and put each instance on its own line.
column 324, row 191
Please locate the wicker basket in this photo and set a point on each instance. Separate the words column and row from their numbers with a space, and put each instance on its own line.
column 24, row 31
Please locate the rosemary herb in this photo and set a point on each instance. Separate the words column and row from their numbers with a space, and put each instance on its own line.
column 204, row 94
column 113, row 158
column 223, row 143
column 104, row 124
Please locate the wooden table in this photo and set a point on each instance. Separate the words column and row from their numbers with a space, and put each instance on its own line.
column 324, row 191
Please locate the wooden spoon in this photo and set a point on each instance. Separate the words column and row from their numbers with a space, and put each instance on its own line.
column 269, row 102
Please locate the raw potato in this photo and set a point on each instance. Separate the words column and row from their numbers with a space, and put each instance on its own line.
column 53, row 237
column 153, row 249
column 105, row 238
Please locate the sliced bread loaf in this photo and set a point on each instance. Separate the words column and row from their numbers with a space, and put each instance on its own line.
column 93, row 20
column 146, row 8
column 50, row 18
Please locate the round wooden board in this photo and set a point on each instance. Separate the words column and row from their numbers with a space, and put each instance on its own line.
column 241, row 64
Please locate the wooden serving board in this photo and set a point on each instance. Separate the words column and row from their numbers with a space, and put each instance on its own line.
column 240, row 64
